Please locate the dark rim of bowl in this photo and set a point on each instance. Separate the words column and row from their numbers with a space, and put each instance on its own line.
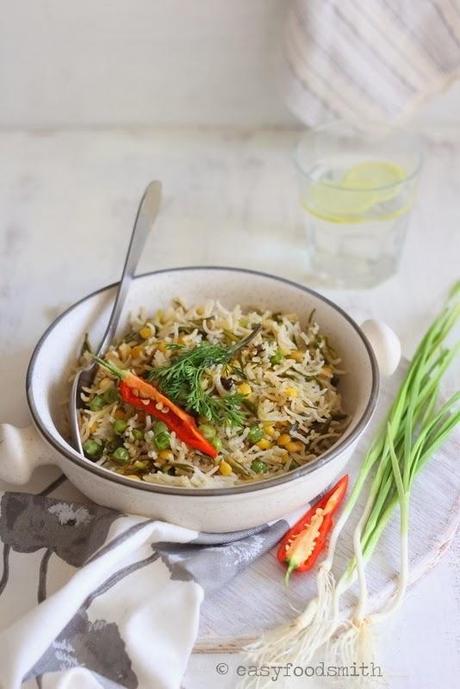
column 323, row 459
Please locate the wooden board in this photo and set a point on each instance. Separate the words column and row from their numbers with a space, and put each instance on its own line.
column 258, row 600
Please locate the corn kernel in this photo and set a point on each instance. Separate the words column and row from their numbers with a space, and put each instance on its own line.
column 161, row 346
column 105, row 384
column 145, row 332
column 264, row 444
column 244, row 388
column 294, row 446
column 297, row 355
column 165, row 455
column 284, row 439
column 269, row 429
column 136, row 351
column 326, row 371
column 291, row 392
column 224, row 468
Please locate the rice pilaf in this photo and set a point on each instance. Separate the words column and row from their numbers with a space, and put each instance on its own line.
column 282, row 388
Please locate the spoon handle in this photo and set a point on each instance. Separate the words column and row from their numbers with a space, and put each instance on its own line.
column 146, row 214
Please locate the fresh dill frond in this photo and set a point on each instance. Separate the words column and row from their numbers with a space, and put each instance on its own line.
column 175, row 346
column 182, row 381
column 225, row 409
column 188, row 364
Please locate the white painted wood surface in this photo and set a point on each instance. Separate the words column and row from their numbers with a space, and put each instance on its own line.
column 145, row 62
column 141, row 62
column 66, row 205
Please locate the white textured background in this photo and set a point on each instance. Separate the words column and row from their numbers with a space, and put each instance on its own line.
column 148, row 62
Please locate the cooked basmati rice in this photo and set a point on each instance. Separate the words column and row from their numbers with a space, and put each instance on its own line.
column 293, row 373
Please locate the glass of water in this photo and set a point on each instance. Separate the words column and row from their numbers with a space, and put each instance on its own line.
column 357, row 188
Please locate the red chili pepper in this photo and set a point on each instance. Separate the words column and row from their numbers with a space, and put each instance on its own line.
column 147, row 399
column 303, row 543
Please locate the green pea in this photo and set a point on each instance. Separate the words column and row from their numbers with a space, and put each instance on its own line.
column 162, row 440
column 119, row 426
column 217, row 442
column 121, row 455
column 92, row 448
column 111, row 395
column 138, row 434
column 277, row 357
column 258, row 466
column 160, row 427
column 207, row 431
column 255, row 434
column 97, row 403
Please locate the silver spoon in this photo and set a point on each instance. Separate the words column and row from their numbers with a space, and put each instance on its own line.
column 146, row 214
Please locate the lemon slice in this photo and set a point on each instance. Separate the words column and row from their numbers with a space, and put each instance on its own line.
column 373, row 174
column 362, row 187
column 336, row 204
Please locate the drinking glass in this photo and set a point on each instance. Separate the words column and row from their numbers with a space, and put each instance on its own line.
column 357, row 188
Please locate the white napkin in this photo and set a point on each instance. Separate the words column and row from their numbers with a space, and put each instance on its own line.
column 92, row 598
column 376, row 60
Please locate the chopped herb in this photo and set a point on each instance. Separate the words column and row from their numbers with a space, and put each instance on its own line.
column 174, row 346
column 238, row 468
column 250, row 406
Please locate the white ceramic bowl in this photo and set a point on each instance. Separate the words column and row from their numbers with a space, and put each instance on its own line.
column 221, row 509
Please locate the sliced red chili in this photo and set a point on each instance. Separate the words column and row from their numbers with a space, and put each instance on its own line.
column 303, row 543
column 144, row 396
column 185, row 429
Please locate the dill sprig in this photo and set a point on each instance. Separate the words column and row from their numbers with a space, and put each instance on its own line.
column 182, row 381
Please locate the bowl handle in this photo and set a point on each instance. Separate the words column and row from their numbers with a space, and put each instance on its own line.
column 21, row 451
column 386, row 345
